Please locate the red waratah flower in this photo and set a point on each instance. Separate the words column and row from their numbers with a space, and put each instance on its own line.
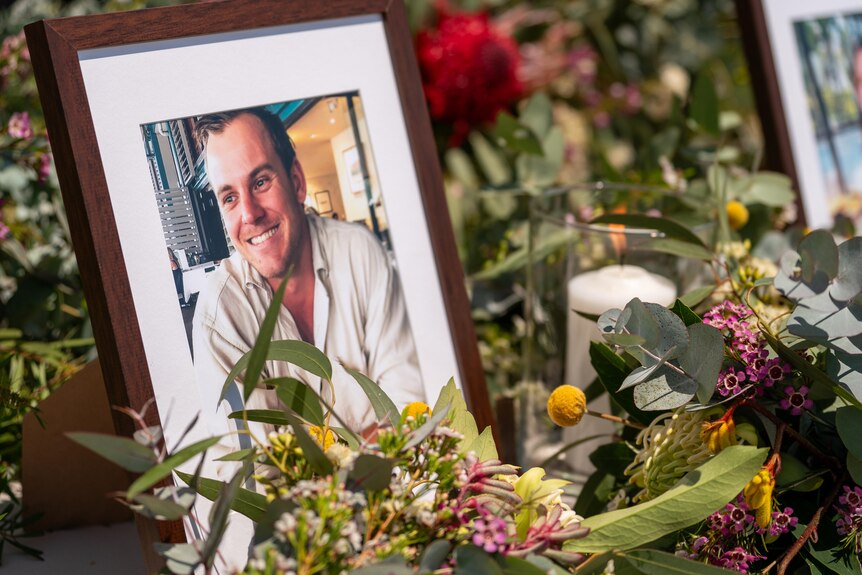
column 469, row 71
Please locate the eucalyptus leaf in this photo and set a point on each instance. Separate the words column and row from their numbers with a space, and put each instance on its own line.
column 817, row 325
column 645, row 373
column 788, row 280
column 164, row 507
column 125, row 452
column 249, row 503
column 848, row 280
column 698, row 494
column 696, row 296
column 854, row 467
column 491, row 161
column 674, row 338
column 683, row 312
column 609, row 321
column 270, row 416
column 418, row 435
column 703, row 107
column 471, row 560
column 461, row 167
column 642, row 323
column 793, row 472
column 770, row 189
column 702, row 360
column 371, row 472
column 299, row 398
column 819, row 256
column 670, row 228
column 846, row 369
column 384, row 408
column 625, row 339
column 311, row 450
column 848, row 421
column 180, row 558
column 655, row 562
column 537, row 114
column 241, row 455
column 434, row 555
column 678, row 248
column 398, row 567
column 299, row 353
column 808, row 370
column 258, row 353
column 514, row 136
column 668, row 390
column 163, row 469
column 612, row 371
column 218, row 518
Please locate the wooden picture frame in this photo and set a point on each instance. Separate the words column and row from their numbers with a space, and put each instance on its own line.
column 82, row 64
column 798, row 141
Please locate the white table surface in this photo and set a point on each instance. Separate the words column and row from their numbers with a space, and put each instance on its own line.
column 86, row 551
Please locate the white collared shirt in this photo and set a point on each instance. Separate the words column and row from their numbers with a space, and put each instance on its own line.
column 360, row 321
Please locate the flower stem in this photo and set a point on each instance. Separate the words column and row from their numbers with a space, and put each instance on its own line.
column 812, row 527
column 616, row 419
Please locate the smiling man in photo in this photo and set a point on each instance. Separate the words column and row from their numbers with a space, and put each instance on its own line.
column 343, row 294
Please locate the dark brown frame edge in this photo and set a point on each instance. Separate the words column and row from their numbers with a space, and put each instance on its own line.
column 778, row 154
column 54, row 47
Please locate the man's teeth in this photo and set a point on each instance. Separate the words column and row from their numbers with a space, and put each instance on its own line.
column 262, row 237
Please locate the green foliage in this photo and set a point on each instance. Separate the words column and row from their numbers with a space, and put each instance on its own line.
column 678, row 361
column 698, row 494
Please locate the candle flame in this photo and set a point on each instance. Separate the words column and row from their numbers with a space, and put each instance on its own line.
column 618, row 239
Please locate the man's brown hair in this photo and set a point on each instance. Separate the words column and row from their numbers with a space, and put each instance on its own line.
column 216, row 124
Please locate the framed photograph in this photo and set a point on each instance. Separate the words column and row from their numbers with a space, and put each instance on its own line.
column 133, row 101
column 806, row 68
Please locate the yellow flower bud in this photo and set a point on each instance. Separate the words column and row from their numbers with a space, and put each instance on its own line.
column 567, row 405
column 414, row 410
column 719, row 434
column 737, row 214
column 316, row 433
column 758, row 495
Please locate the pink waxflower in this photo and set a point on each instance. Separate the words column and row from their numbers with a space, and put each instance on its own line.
column 491, row 534
column 796, row 400
column 737, row 559
column 19, row 126
column 729, row 382
column 44, row 169
column 782, row 522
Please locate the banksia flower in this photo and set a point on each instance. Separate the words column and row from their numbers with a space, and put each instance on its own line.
column 672, row 446
column 720, row 433
column 567, row 405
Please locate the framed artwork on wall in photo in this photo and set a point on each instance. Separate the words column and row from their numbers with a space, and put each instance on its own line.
column 353, row 169
column 806, row 69
column 324, row 202
column 171, row 129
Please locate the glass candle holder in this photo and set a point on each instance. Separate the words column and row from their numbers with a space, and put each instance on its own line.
column 578, row 266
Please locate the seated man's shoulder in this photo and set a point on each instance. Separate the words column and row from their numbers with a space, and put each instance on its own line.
column 223, row 290
column 351, row 235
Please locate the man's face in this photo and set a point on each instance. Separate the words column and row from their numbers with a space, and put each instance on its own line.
column 260, row 200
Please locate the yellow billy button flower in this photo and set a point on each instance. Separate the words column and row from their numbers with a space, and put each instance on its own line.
column 758, row 493
column 720, row 433
column 567, row 405
column 316, row 433
column 414, row 410
column 737, row 214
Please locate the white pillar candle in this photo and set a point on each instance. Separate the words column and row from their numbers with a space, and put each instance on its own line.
column 594, row 293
